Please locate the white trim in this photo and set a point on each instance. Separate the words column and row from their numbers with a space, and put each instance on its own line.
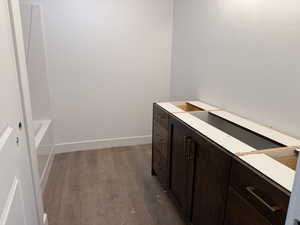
column 102, row 143
column 45, row 219
column 9, row 201
column 45, row 124
column 4, row 136
column 46, row 171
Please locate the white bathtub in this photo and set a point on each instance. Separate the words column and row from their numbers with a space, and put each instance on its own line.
column 43, row 137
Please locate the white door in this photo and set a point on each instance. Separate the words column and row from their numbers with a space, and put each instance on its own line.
column 17, row 201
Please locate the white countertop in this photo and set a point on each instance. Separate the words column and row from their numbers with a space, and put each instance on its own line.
column 174, row 109
column 260, row 129
column 170, row 107
column 228, row 142
column 203, row 105
column 273, row 169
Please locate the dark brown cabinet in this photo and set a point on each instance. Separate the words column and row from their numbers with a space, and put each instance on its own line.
column 181, row 166
column 199, row 175
column 208, row 184
column 211, row 181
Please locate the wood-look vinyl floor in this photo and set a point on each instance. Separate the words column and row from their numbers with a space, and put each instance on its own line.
column 110, row 187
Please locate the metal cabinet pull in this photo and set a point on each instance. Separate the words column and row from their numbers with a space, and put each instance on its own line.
column 251, row 190
column 187, row 140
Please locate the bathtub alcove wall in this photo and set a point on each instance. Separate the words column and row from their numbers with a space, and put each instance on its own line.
column 33, row 32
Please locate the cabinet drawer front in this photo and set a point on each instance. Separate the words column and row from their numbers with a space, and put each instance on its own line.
column 267, row 197
column 240, row 212
column 160, row 139
column 160, row 116
column 162, row 148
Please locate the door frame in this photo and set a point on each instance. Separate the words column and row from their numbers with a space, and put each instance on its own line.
column 16, row 23
column 293, row 211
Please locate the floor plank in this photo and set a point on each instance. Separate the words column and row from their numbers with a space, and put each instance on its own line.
column 107, row 187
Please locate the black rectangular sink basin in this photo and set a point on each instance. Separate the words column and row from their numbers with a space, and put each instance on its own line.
column 250, row 138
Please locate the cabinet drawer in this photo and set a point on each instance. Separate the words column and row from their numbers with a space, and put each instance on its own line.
column 162, row 148
column 160, row 131
column 160, row 116
column 240, row 212
column 161, row 139
column 266, row 196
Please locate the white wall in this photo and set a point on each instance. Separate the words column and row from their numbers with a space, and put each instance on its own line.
column 242, row 55
column 108, row 61
column 36, row 60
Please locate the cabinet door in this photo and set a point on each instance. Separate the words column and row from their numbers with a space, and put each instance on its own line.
column 240, row 212
column 212, row 173
column 181, row 167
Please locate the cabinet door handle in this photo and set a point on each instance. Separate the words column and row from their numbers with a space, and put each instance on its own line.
column 186, row 146
column 251, row 190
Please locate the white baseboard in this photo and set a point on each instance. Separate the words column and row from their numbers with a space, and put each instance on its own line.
column 47, row 169
column 45, row 219
column 102, row 143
